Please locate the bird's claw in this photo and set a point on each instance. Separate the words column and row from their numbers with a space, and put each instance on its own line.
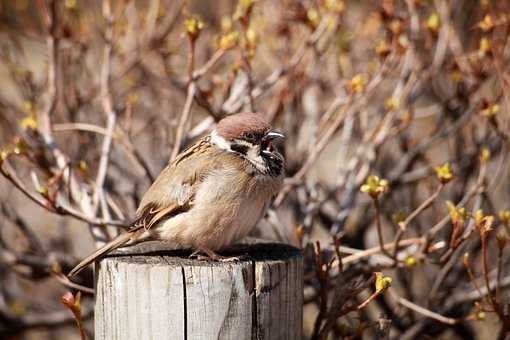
column 210, row 255
column 234, row 258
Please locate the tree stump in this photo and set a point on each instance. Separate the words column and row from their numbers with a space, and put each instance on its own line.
column 150, row 292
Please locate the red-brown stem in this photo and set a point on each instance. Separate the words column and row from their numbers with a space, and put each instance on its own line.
column 370, row 299
column 498, row 275
column 322, row 276
column 473, row 279
column 485, row 273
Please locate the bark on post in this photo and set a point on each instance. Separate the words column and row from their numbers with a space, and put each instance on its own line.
column 150, row 292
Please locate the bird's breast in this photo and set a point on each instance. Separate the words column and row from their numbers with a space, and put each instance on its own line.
column 239, row 201
column 227, row 205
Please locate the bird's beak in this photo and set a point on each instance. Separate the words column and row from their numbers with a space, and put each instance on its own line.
column 274, row 135
column 267, row 145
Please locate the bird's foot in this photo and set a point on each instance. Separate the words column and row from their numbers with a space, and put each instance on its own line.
column 211, row 255
column 197, row 256
column 234, row 258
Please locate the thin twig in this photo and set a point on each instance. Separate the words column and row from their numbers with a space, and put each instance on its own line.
column 202, row 71
column 485, row 271
column 422, row 207
column 182, row 122
column 369, row 299
column 49, row 10
column 186, row 111
column 471, row 275
column 499, row 272
column 423, row 311
column 121, row 135
column 106, row 100
column 55, row 207
column 316, row 151
column 477, row 294
column 388, row 246
column 403, row 226
column 278, row 74
column 60, row 277
column 379, row 227
column 79, row 127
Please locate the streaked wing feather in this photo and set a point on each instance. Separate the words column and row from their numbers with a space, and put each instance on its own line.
column 173, row 191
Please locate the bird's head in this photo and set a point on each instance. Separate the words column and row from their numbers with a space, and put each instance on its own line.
column 251, row 136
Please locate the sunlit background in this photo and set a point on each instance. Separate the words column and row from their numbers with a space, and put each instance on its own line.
column 405, row 100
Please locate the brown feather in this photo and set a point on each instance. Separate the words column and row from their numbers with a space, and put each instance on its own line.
column 154, row 216
column 112, row 245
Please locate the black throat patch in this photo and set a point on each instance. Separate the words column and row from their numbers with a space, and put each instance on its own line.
column 274, row 164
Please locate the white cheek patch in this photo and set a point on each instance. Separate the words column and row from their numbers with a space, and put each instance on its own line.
column 253, row 155
column 245, row 143
column 219, row 141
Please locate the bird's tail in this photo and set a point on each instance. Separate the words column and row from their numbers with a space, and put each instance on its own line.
column 110, row 246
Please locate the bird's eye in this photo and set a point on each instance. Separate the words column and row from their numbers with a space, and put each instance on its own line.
column 249, row 136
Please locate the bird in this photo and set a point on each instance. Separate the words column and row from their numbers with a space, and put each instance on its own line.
column 212, row 194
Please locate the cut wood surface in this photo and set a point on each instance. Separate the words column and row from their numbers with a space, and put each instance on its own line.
column 151, row 292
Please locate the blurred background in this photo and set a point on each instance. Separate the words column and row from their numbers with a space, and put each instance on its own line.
column 397, row 125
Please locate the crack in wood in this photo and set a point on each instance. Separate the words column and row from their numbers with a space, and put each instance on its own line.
column 185, row 304
column 254, row 312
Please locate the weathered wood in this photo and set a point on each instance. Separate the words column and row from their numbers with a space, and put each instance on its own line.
column 150, row 292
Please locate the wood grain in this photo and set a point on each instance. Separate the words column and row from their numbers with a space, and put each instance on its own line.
column 149, row 291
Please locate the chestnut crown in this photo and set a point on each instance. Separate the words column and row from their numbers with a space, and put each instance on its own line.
column 247, row 126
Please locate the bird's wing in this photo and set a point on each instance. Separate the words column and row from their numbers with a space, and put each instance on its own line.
column 174, row 189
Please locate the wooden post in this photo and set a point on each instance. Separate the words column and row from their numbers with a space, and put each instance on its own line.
column 150, row 292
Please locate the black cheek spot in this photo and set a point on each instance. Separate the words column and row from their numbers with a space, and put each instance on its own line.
column 242, row 149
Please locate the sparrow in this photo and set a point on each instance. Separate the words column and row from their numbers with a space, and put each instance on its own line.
column 212, row 194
